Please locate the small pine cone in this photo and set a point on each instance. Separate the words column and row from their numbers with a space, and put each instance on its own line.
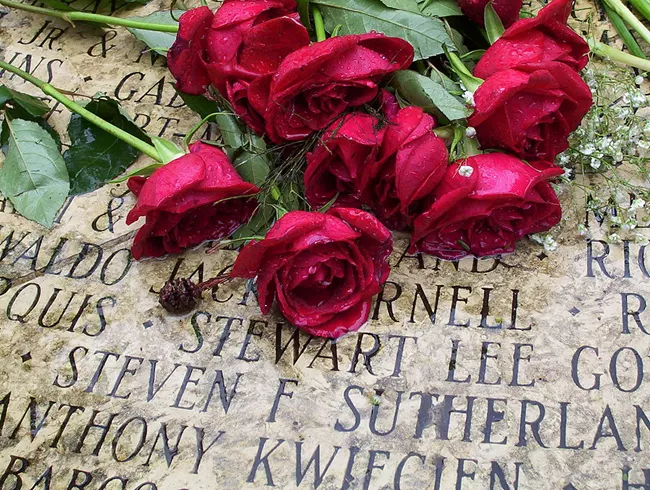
column 179, row 296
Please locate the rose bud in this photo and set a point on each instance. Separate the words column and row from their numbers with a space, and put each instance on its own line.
column 242, row 41
column 543, row 38
column 486, row 203
column 411, row 162
column 321, row 268
column 317, row 83
column 334, row 167
column 507, row 10
column 531, row 110
column 196, row 197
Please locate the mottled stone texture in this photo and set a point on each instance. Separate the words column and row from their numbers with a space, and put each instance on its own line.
column 101, row 388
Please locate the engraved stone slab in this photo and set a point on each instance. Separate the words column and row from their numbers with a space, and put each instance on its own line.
column 526, row 372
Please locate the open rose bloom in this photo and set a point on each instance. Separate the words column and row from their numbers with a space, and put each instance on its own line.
column 197, row 197
column 322, row 268
column 344, row 133
column 486, row 212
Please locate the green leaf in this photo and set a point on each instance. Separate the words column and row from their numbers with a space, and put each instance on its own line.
column 303, row 12
column 199, row 104
column 160, row 42
column 439, row 8
column 291, row 196
column 493, row 25
column 34, row 107
column 257, row 225
column 228, row 123
column 408, row 5
column 33, row 176
column 252, row 167
column 95, row 156
column 17, row 105
column 167, row 150
column 447, row 83
column 426, row 34
column 431, row 96
column 473, row 55
column 58, row 5
column 253, row 164
column 230, row 131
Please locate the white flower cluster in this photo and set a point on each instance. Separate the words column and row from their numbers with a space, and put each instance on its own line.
column 612, row 133
column 620, row 218
column 545, row 240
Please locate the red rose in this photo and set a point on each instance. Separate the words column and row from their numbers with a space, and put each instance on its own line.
column 188, row 201
column 334, row 167
column 486, row 212
column 242, row 41
column 544, row 38
column 185, row 57
column 315, row 84
column 507, row 10
column 411, row 162
column 530, row 110
column 322, row 268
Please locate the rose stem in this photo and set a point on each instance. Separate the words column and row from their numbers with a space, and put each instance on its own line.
column 319, row 27
column 48, row 89
column 616, row 55
column 642, row 6
column 624, row 32
column 210, row 283
column 88, row 17
column 627, row 15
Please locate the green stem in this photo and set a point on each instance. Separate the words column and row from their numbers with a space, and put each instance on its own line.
column 319, row 26
column 88, row 17
column 624, row 32
column 48, row 89
column 642, row 6
column 614, row 54
column 470, row 81
column 629, row 18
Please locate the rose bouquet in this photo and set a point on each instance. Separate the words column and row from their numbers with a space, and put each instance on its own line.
column 442, row 121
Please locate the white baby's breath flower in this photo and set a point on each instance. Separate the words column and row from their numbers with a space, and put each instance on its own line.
column 465, row 171
column 470, row 132
column 588, row 149
column 468, row 97
column 613, row 238
column 567, row 173
column 638, row 99
column 539, row 239
column 582, row 230
column 615, row 220
column 641, row 239
column 637, row 203
column 550, row 245
column 595, row 163
column 564, row 158
column 629, row 224
column 638, row 80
